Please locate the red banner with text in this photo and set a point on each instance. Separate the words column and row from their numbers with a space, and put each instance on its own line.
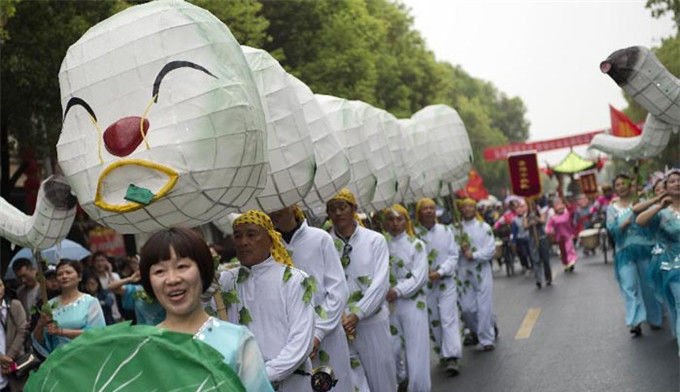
column 524, row 174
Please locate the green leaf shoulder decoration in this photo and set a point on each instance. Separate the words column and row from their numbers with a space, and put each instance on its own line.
column 287, row 273
column 243, row 274
column 420, row 305
column 125, row 358
column 309, row 285
column 338, row 244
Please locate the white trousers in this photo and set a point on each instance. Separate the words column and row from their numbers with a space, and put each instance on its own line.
column 335, row 345
column 410, row 340
column 442, row 301
column 372, row 344
column 297, row 382
column 477, row 302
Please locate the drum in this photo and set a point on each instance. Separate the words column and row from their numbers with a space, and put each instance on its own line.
column 589, row 238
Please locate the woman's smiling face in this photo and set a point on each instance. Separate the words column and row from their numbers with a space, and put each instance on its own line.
column 177, row 284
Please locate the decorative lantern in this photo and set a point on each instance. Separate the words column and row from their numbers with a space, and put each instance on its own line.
column 379, row 158
column 429, row 160
column 348, row 125
column 163, row 124
column 291, row 165
column 332, row 165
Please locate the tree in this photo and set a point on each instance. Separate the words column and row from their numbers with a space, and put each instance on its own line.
column 243, row 17
column 660, row 8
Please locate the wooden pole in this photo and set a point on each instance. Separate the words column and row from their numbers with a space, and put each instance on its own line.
column 40, row 263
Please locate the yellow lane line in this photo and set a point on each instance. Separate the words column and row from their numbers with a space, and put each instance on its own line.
column 528, row 323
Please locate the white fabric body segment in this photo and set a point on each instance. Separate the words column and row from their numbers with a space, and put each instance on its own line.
column 282, row 322
column 50, row 223
column 380, row 157
column 313, row 252
column 332, row 166
column 476, row 300
column 291, row 165
column 178, row 67
column 650, row 84
column 348, row 125
column 397, row 140
column 442, row 295
column 652, row 141
column 414, row 159
column 409, row 319
column 450, row 142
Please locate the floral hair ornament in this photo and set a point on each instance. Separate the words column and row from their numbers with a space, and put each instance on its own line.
column 259, row 218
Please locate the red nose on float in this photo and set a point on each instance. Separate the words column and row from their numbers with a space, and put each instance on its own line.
column 122, row 137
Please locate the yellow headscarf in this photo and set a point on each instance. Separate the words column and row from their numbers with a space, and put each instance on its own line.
column 299, row 215
column 470, row 202
column 259, row 218
column 346, row 195
column 421, row 203
column 398, row 208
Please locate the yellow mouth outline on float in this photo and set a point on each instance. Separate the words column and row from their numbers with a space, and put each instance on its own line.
column 132, row 206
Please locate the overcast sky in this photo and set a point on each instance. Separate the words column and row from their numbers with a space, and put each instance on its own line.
column 545, row 52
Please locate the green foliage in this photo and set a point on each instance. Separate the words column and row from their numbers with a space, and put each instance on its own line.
column 230, row 297
column 354, row 362
column 321, row 312
column 309, row 285
column 365, row 280
column 356, row 296
column 660, row 8
column 244, row 317
column 243, row 274
column 243, row 17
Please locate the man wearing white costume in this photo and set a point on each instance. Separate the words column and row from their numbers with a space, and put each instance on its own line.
column 474, row 271
column 365, row 258
column 272, row 299
column 313, row 252
column 442, row 293
column 408, row 319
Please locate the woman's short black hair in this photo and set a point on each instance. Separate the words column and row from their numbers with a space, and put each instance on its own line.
column 621, row 175
column 77, row 265
column 87, row 276
column 186, row 243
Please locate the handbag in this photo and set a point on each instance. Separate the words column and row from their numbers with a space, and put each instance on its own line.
column 26, row 362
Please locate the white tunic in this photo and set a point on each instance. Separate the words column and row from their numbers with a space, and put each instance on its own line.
column 477, row 281
column 281, row 321
column 408, row 263
column 442, row 295
column 313, row 252
column 367, row 273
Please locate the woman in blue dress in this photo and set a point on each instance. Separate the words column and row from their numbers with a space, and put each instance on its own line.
column 175, row 269
column 70, row 313
column 664, row 218
column 133, row 297
column 631, row 259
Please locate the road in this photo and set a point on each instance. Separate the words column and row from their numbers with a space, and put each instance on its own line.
column 579, row 341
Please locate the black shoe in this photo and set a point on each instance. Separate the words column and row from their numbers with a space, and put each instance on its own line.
column 636, row 331
column 495, row 331
column 571, row 269
column 538, row 285
column 452, row 368
column 470, row 339
column 548, row 283
column 486, row 347
column 403, row 386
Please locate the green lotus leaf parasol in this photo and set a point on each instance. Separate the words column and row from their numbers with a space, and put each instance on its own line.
column 125, row 358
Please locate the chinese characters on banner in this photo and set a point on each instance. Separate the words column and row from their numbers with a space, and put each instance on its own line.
column 524, row 174
column 588, row 183
column 106, row 240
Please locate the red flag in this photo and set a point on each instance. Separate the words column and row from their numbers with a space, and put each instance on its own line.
column 474, row 188
column 621, row 124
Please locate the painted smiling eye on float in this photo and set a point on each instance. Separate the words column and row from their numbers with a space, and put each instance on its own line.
column 163, row 124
